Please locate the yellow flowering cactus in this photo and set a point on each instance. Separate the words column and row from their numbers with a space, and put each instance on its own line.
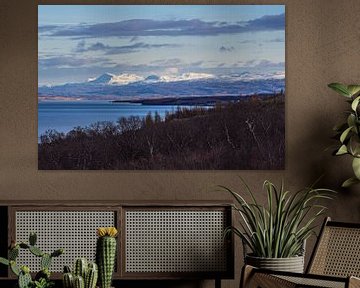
column 107, row 231
column 106, row 254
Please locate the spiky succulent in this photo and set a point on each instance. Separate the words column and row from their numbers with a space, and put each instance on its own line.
column 42, row 278
column 106, row 254
column 85, row 274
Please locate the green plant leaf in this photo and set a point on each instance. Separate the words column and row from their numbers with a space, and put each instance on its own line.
column 342, row 150
column 345, row 134
column 279, row 228
column 355, row 103
column 353, row 89
column 354, row 145
column 349, row 182
column 351, row 120
column 340, row 88
column 356, row 167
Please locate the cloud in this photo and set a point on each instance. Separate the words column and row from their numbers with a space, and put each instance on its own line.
column 135, row 38
column 112, row 50
column 226, row 49
column 276, row 40
column 69, row 61
column 247, row 41
column 197, row 63
column 167, row 62
column 262, row 64
column 148, row 27
column 80, row 46
column 267, row 23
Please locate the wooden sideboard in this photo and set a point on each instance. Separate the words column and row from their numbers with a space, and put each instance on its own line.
column 157, row 240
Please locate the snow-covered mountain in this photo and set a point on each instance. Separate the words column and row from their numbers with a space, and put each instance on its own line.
column 111, row 86
column 111, row 79
column 124, row 79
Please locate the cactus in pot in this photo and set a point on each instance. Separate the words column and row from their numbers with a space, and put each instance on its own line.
column 91, row 276
column 85, row 275
column 79, row 282
column 25, row 279
column 68, row 278
column 106, row 254
column 42, row 278
column 81, row 266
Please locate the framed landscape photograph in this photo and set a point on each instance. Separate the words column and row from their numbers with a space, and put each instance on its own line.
column 161, row 87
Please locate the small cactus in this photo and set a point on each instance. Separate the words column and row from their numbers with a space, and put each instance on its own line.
column 36, row 251
column 89, row 272
column 24, row 278
column 13, row 253
column 57, row 252
column 79, row 282
column 45, row 261
column 91, row 276
column 32, row 239
column 68, row 280
column 80, row 268
column 106, row 254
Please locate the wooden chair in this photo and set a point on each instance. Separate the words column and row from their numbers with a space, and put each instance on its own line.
column 335, row 262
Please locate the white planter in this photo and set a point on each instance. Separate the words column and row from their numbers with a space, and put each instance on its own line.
column 291, row 264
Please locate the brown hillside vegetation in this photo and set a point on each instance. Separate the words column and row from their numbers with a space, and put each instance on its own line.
column 247, row 134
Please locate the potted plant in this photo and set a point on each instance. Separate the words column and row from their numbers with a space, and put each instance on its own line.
column 42, row 278
column 348, row 132
column 276, row 233
column 84, row 274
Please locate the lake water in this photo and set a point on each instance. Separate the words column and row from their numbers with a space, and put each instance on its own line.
column 64, row 116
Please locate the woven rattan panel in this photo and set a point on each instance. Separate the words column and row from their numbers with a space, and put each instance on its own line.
column 338, row 253
column 311, row 282
column 175, row 241
column 75, row 231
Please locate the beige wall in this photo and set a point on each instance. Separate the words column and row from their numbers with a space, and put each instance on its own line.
column 322, row 46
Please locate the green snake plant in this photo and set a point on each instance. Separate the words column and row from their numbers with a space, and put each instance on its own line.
column 348, row 132
column 280, row 228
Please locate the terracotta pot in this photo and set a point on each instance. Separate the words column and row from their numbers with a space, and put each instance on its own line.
column 291, row 264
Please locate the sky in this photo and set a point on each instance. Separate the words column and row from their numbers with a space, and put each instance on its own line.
column 80, row 42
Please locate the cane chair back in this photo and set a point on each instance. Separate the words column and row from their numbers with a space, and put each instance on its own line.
column 337, row 252
column 335, row 262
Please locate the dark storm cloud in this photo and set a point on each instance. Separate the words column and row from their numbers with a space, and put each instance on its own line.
column 148, row 27
column 112, row 50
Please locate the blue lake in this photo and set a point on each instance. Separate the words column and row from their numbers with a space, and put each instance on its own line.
column 64, row 116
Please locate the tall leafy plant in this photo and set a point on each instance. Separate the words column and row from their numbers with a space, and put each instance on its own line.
column 279, row 229
column 348, row 132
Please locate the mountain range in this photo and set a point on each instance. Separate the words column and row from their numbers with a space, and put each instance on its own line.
column 129, row 86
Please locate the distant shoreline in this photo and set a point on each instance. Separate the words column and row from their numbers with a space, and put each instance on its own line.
column 192, row 100
column 162, row 101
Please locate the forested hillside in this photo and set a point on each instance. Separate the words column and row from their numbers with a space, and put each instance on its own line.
column 247, row 134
